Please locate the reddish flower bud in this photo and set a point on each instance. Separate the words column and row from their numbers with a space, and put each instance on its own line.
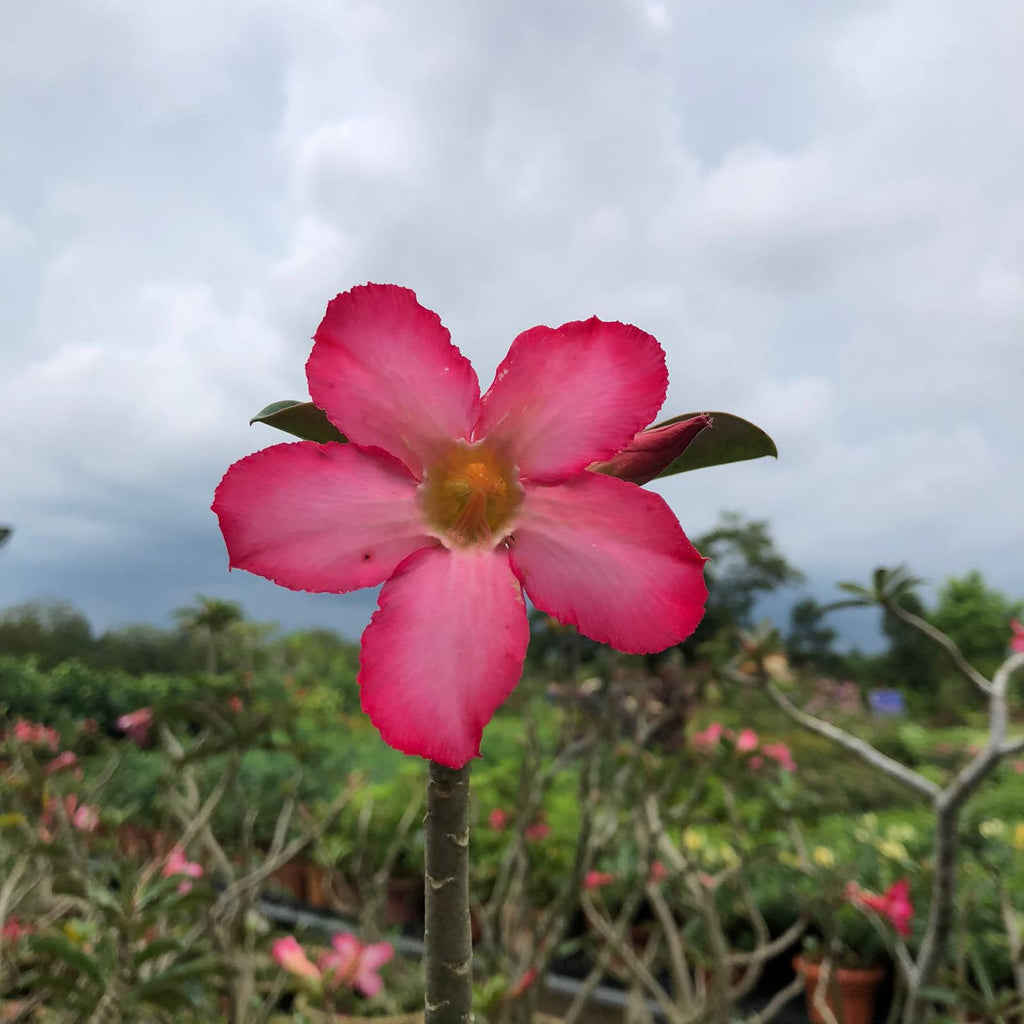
column 652, row 450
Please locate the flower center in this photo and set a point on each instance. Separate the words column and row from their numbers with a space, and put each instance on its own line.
column 470, row 495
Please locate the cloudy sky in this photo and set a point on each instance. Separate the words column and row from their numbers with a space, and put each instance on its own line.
column 817, row 208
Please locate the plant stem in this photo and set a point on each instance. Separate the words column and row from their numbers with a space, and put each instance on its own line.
column 447, row 937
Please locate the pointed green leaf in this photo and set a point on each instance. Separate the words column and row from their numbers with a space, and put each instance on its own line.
column 728, row 439
column 303, row 419
column 64, row 949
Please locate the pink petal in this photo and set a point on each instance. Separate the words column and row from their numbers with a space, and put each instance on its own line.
column 376, row 955
column 445, row 648
column 368, row 982
column 385, row 371
column 327, row 518
column 611, row 559
column 566, row 397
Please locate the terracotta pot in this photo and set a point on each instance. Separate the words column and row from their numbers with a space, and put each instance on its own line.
column 404, row 904
column 327, row 889
column 851, row 991
column 292, row 878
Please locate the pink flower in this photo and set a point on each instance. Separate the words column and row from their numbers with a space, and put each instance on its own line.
column 497, row 819
column 178, row 864
column 894, row 904
column 83, row 817
column 1018, row 767
column 1017, row 640
column 235, row 703
column 781, row 753
column 66, row 759
column 536, row 831
column 658, row 872
column 350, row 964
column 36, row 734
column 458, row 503
column 746, row 741
column 756, row 763
column 137, row 725
column 597, row 879
column 292, row 957
column 13, row 929
column 710, row 737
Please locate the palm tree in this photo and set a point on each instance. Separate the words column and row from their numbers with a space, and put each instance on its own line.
column 209, row 621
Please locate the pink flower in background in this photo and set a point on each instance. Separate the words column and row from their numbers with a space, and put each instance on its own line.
column 235, row 703
column 178, row 864
column 82, row 817
column 658, row 872
column 781, row 753
column 756, row 763
column 538, row 830
column 894, row 904
column 597, row 879
column 13, row 929
column 292, row 957
column 137, row 725
column 710, row 737
column 350, row 964
column 746, row 741
column 1018, row 767
column 1017, row 639
column 66, row 759
column 497, row 819
column 36, row 734
column 458, row 503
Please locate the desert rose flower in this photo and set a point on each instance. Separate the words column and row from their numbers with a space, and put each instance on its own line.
column 746, row 741
column 709, row 737
column 597, row 879
column 350, row 964
column 653, row 450
column 537, row 831
column 1017, row 639
column 292, row 957
column 781, row 753
column 136, row 724
column 658, row 872
column 894, row 904
column 459, row 503
column 497, row 820
column 65, row 759
column 36, row 734
column 178, row 864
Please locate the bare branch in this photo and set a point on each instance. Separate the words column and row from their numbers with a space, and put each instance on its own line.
column 962, row 665
column 866, row 752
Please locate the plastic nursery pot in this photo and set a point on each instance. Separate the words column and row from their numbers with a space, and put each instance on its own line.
column 851, row 991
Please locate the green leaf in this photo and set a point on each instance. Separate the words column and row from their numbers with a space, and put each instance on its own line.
column 303, row 419
column 728, row 439
column 64, row 949
column 158, row 947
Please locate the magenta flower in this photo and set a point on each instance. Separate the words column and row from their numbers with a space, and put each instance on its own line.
column 780, row 753
column 36, row 734
column 537, row 830
column 597, row 879
column 497, row 820
column 894, row 904
column 710, row 737
column 746, row 741
column 178, row 864
column 1017, row 640
column 65, row 759
column 350, row 964
column 458, row 503
column 292, row 957
column 137, row 725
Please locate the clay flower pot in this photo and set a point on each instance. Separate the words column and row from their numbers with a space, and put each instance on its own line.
column 851, row 991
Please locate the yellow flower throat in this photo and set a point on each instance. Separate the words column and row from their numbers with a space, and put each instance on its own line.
column 470, row 495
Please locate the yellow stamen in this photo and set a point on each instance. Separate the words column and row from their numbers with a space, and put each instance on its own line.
column 470, row 494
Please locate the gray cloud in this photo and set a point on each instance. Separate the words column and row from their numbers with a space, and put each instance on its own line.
column 816, row 209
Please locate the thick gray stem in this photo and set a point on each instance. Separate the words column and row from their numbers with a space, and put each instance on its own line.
column 448, row 940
